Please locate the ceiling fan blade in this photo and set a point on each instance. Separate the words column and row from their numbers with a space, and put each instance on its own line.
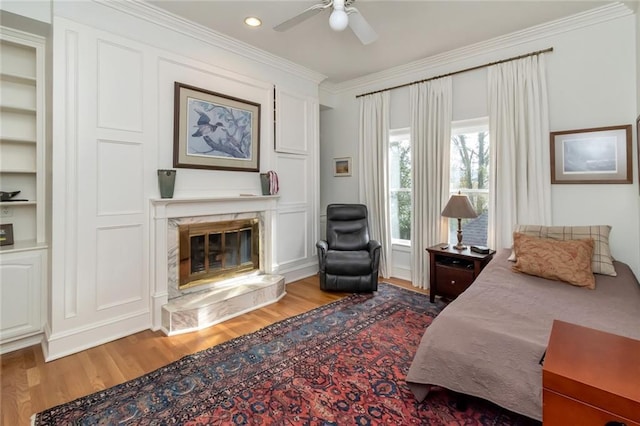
column 308, row 13
column 361, row 27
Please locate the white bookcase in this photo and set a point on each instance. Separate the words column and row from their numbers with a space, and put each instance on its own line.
column 22, row 168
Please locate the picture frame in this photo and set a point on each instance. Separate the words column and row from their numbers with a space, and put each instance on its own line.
column 638, row 149
column 592, row 156
column 342, row 166
column 6, row 234
column 215, row 131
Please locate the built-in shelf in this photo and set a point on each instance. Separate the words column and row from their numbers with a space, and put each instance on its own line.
column 25, row 245
column 17, row 171
column 23, row 167
column 14, row 78
column 10, row 139
column 17, row 203
column 19, row 110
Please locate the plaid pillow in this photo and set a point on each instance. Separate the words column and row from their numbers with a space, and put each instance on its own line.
column 601, row 261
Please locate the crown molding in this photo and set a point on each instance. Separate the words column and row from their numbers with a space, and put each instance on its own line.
column 379, row 80
column 165, row 19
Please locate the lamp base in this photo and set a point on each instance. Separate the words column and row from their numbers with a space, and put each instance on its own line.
column 459, row 246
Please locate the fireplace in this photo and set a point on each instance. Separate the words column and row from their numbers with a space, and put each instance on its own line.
column 227, row 235
column 215, row 251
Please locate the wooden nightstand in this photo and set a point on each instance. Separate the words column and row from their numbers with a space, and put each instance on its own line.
column 590, row 377
column 452, row 271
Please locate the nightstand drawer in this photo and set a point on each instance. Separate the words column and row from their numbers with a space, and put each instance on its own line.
column 451, row 271
column 453, row 280
column 561, row 410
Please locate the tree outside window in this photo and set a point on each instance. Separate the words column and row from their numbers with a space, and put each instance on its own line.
column 470, row 175
column 400, row 185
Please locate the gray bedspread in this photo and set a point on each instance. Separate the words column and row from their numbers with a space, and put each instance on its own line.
column 489, row 341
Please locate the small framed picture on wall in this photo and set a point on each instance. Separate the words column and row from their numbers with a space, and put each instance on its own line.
column 342, row 166
column 638, row 146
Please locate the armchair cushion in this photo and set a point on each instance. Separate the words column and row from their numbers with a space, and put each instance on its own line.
column 348, row 262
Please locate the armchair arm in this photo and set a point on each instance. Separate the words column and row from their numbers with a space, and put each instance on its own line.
column 373, row 247
column 374, row 253
column 322, row 246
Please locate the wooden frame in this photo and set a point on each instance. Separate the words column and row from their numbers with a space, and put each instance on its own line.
column 215, row 131
column 342, row 166
column 597, row 155
column 638, row 146
column 6, row 234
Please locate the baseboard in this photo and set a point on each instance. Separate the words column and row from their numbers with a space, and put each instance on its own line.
column 21, row 343
column 299, row 272
column 58, row 345
column 402, row 273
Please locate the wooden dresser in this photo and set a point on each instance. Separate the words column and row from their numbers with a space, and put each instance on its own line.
column 590, row 377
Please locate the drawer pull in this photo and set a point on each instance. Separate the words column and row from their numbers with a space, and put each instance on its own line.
column 614, row 423
column 453, row 282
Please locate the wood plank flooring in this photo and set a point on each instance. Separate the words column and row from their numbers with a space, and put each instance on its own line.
column 29, row 385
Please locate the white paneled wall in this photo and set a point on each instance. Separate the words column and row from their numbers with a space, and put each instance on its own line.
column 114, row 76
column 296, row 158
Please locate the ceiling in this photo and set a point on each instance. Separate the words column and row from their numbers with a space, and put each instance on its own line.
column 408, row 30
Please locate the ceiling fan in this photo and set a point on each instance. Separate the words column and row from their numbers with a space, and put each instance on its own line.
column 342, row 15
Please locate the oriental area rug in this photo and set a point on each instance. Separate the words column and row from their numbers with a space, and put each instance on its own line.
column 340, row 364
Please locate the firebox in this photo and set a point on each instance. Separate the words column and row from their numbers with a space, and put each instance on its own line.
column 215, row 251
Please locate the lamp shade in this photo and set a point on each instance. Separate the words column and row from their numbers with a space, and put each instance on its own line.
column 459, row 207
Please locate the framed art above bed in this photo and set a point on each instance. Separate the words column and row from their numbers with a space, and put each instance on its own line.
column 597, row 155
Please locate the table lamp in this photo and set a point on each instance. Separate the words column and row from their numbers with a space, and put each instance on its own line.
column 459, row 207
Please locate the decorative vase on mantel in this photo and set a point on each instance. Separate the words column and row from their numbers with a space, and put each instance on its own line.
column 269, row 183
column 166, row 182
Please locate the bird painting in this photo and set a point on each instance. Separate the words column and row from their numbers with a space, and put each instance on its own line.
column 230, row 136
column 204, row 125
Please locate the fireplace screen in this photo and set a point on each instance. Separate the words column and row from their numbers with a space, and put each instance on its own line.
column 217, row 250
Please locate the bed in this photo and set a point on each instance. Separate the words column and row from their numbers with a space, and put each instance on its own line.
column 489, row 342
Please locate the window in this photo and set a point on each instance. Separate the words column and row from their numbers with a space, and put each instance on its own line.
column 400, row 186
column 470, row 175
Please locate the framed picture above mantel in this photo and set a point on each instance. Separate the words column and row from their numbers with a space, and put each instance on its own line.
column 215, row 131
column 592, row 156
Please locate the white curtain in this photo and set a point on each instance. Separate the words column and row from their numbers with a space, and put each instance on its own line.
column 520, row 183
column 374, row 190
column 431, row 114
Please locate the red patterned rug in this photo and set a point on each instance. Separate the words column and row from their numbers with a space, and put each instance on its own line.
column 340, row 364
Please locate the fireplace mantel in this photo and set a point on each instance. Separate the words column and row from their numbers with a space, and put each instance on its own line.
column 200, row 206
column 164, row 210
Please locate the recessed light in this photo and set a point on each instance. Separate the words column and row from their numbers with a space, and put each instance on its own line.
column 252, row 21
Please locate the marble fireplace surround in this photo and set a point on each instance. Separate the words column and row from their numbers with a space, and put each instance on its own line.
column 195, row 303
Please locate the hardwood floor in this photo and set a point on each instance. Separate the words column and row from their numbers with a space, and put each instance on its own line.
column 29, row 385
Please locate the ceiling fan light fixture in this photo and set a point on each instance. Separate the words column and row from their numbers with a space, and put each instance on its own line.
column 338, row 20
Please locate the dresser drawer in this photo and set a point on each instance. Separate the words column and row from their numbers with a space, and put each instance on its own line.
column 559, row 410
column 453, row 280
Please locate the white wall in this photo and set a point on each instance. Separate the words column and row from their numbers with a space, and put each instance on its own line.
column 591, row 80
column 39, row 10
column 114, row 68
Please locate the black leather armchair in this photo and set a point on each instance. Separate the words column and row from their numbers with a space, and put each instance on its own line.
column 348, row 259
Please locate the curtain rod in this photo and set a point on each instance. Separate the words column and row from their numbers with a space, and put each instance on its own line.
column 550, row 49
